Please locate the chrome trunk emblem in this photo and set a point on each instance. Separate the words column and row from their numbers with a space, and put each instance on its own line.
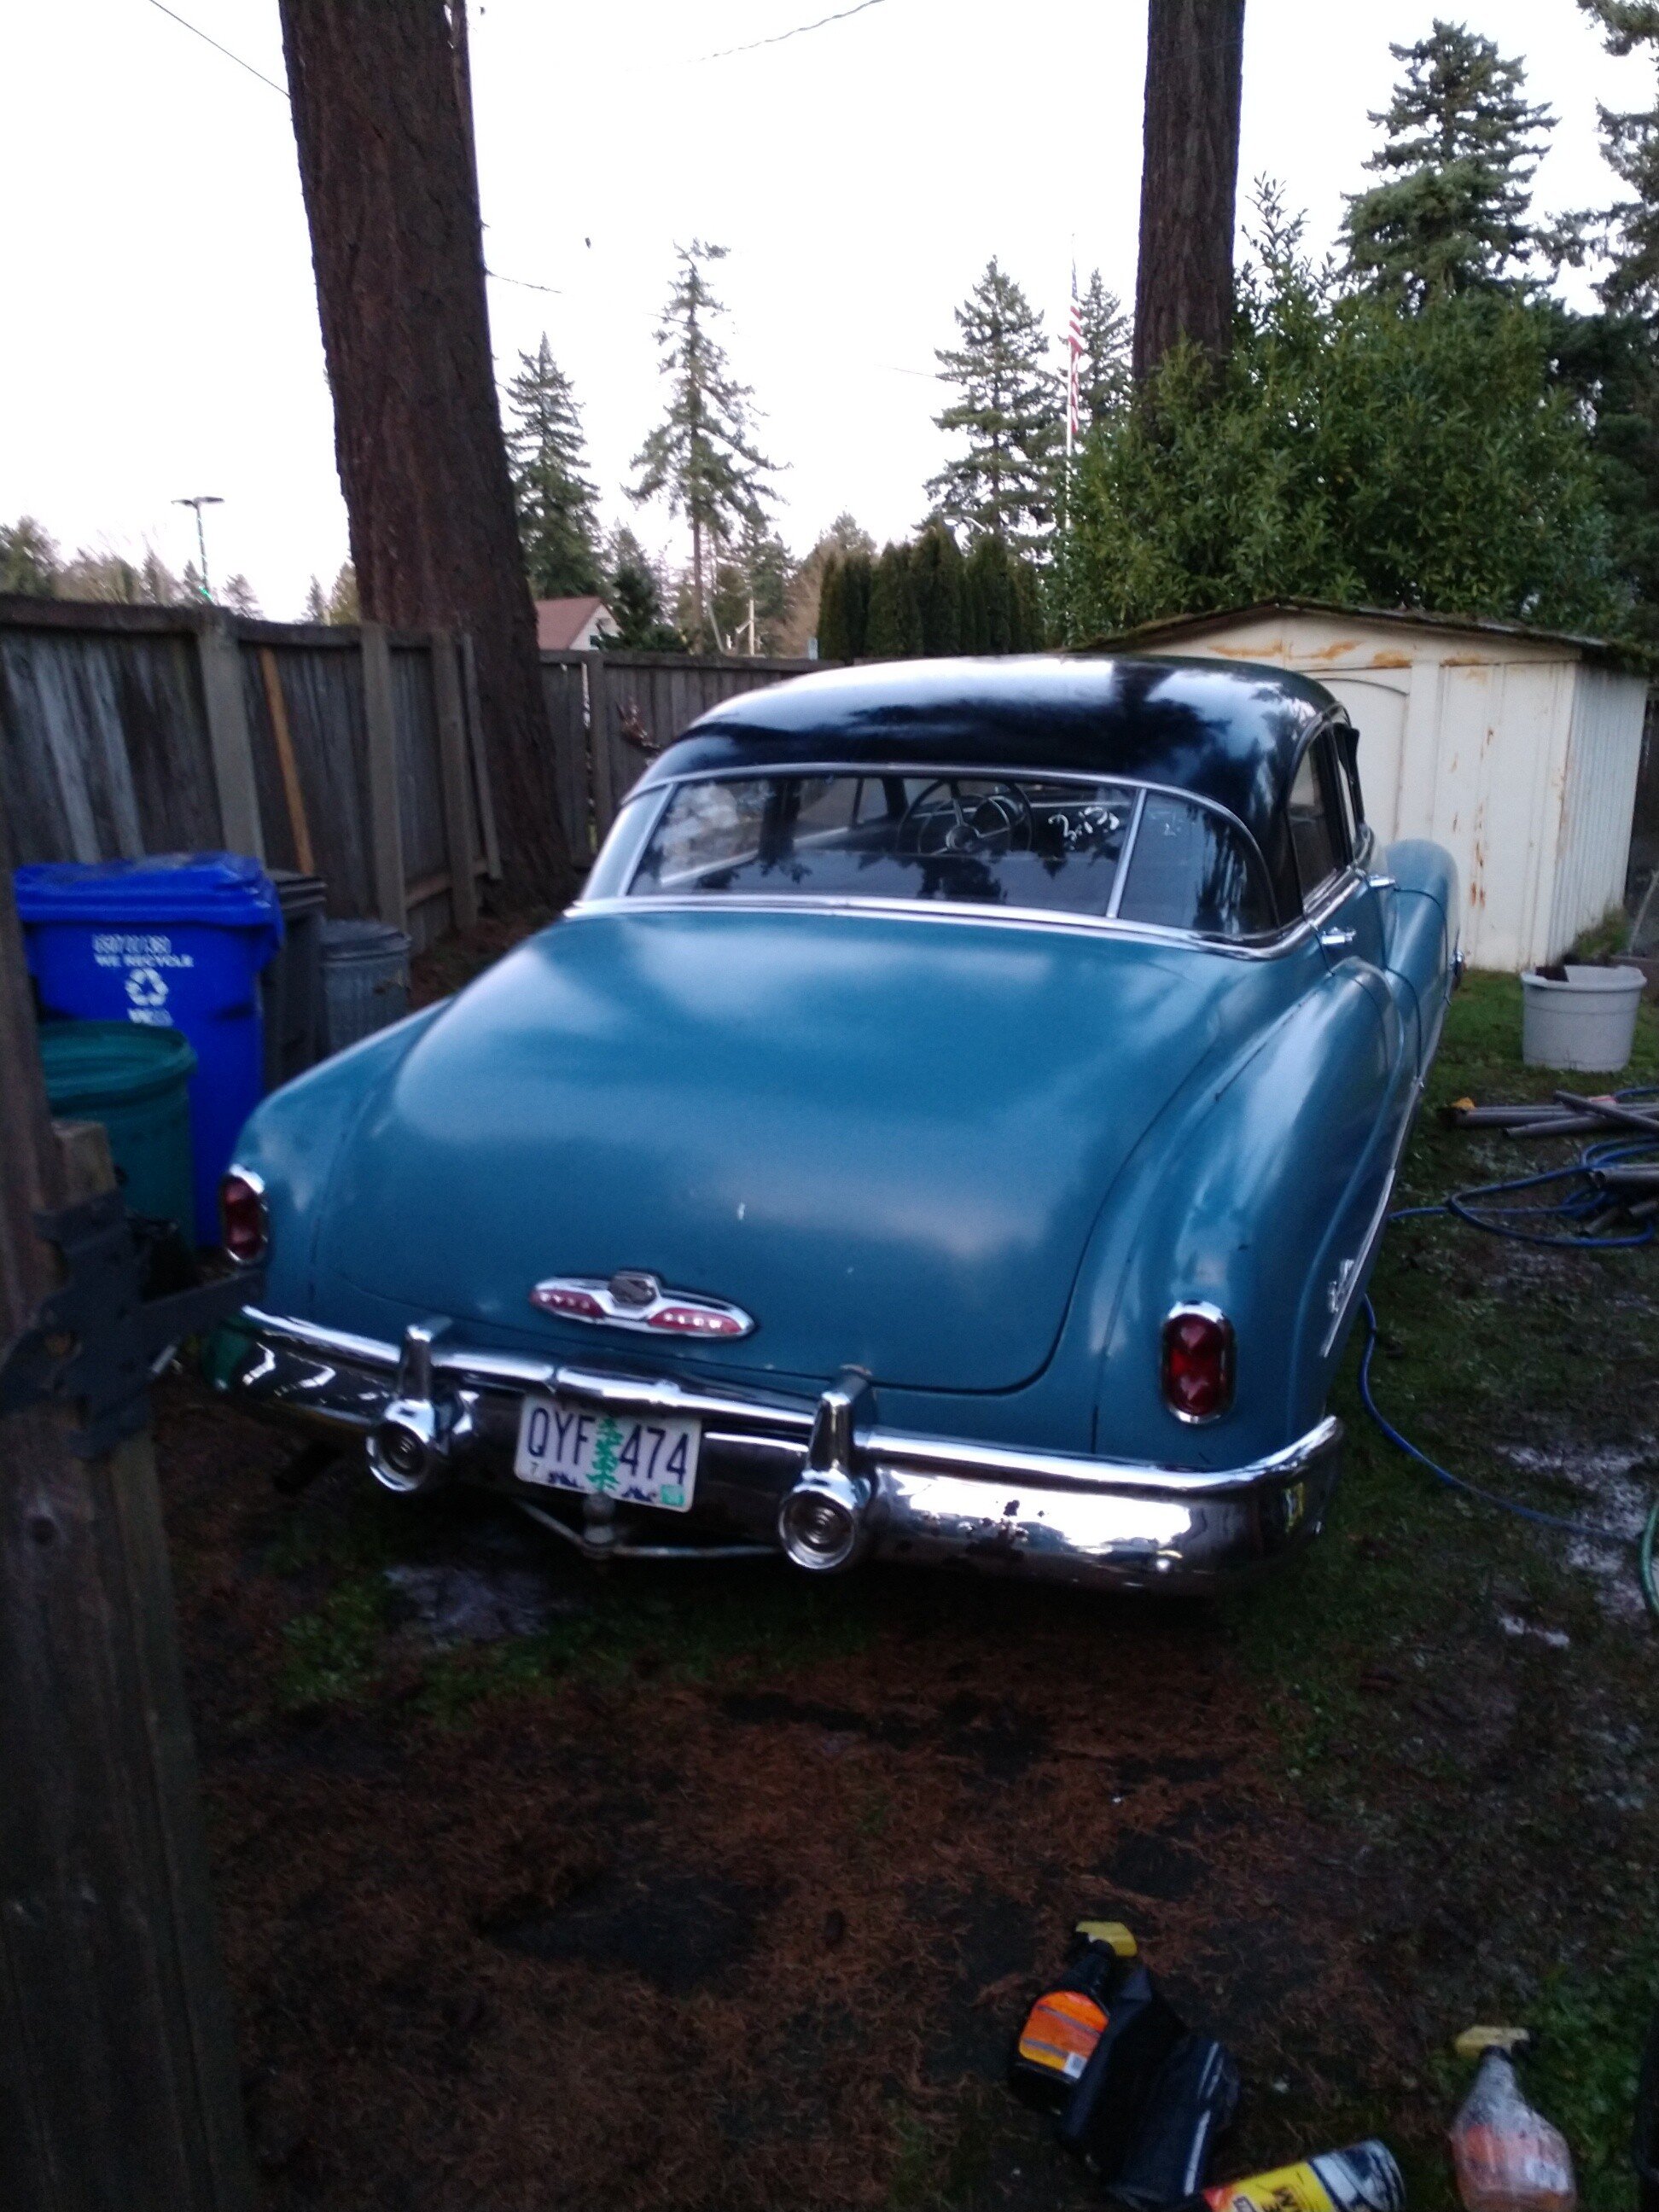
column 634, row 1298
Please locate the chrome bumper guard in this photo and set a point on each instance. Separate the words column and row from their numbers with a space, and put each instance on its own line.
column 821, row 1482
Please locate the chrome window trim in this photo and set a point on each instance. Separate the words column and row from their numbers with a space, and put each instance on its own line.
column 1132, row 838
column 753, row 771
column 1266, row 947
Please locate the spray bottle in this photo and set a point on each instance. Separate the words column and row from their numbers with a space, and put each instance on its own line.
column 1508, row 2157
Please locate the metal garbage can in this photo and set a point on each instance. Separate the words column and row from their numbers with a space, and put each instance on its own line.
column 365, row 979
column 291, row 987
column 176, row 940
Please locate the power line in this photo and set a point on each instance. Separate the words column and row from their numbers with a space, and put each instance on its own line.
column 225, row 50
column 777, row 37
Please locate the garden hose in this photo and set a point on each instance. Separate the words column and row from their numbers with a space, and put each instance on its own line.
column 1487, row 1205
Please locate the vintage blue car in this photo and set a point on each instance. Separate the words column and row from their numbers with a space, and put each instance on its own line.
column 956, row 1122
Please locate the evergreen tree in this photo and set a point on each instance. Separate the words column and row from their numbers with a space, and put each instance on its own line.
column 1028, row 625
column 316, row 606
column 858, row 570
column 1009, row 411
column 29, row 560
column 758, row 572
column 547, row 454
column 1351, row 452
column 237, row 593
column 831, row 632
column 343, row 607
column 936, row 568
column 1103, row 370
column 991, row 570
column 895, row 626
column 1631, row 141
column 633, row 590
column 1458, row 159
column 702, row 457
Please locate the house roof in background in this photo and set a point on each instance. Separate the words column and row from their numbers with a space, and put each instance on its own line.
column 559, row 623
column 1173, row 627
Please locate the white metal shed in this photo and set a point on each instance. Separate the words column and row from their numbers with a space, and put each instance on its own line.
column 1516, row 749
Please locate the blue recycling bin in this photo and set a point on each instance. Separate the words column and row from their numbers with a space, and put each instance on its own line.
column 175, row 941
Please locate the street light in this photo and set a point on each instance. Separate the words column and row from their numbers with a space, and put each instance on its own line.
column 202, row 499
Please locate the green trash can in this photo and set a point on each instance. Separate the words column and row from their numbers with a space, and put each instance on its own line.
column 136, row 1081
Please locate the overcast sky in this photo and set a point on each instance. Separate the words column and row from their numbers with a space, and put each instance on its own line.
column 161, row 338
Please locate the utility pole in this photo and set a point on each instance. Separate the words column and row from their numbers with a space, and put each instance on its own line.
column 118, row 2082
column 199, row 501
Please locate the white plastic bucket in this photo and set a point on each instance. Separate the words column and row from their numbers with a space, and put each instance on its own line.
column 1587, row 1022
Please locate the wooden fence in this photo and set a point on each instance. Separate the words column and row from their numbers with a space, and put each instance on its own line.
column 612, row 712
column 352, row 754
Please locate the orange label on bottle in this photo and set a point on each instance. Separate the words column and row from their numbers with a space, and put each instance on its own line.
column 1060, row 2031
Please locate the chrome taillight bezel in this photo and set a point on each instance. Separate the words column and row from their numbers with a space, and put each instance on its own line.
column 255, row 1183
column 1212, row 1316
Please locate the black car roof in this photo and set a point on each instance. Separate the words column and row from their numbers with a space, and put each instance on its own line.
column 1225, row 731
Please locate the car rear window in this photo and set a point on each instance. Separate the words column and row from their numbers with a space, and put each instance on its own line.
column 1018, row 841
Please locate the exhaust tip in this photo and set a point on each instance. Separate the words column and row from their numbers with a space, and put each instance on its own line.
column 822, row 1521
column 406, row 1448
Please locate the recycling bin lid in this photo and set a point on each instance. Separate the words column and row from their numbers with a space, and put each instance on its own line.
column 226, row 889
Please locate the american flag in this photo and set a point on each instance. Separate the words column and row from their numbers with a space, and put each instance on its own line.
column 1074, row 349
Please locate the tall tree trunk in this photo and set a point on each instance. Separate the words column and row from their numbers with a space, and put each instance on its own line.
column 384, row 130
column 1188, row 178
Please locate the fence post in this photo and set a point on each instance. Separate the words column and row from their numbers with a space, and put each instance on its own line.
column 386, row 816
column 481, row 763
column 452, row 766
column 598, row 746
column 220, row 659
column 117, row 2064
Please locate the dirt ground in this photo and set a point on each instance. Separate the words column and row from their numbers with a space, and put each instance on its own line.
column 719, row 1887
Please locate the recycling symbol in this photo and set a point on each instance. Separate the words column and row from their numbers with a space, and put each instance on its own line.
column 146, row 987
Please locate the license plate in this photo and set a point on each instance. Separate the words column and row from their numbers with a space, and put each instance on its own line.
column 568, row 1446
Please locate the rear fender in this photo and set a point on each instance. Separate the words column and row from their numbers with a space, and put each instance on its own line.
column 1244, row 1196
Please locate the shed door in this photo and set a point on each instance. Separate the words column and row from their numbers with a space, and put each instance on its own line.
column 1377, row 711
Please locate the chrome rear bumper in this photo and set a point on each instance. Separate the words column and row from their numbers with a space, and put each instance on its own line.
column 779, row 1473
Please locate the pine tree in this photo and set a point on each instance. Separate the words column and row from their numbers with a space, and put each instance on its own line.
column 1103, row 373
column 857, row 581
column 1458, row 159
column 29, row 560
column 237, row 593
column 989, row 566
column 832, row 610
column 343, row 605
column 1631, row 142
column 758, row 572
column 547, row 454
column 936, row 567
column 702, row 457
column 316, row 606
column 895, row 627
column 1009, row 411
column 633, row 585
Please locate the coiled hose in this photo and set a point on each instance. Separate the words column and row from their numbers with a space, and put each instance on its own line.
column 1582, row 1201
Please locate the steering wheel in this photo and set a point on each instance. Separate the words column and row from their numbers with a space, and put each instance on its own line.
column 991, row 821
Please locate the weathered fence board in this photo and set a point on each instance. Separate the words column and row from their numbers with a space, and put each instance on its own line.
column 351, row 754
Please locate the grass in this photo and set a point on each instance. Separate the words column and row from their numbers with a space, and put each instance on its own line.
column 1387, row 1673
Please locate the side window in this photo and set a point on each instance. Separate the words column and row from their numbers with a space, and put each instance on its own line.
column 1347, row 759
column 1191, row 870
column 1316, row 832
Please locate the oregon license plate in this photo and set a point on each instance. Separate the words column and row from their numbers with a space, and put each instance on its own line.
column 568, row 1446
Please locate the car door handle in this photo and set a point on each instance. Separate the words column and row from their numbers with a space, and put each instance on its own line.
column 1334, row 940
column 1382, row 883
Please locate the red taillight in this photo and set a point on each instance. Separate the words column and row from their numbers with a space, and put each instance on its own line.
column 244, row 1224
column 553, row 1297
column 695, row 1321
column 1198, row 1363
